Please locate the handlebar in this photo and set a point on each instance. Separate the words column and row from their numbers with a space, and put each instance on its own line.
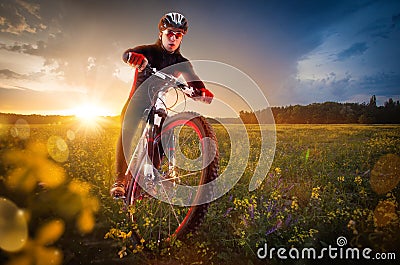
column 171, row 79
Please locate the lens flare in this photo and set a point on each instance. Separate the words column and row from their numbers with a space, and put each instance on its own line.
column 58, row 149
column 21, row 129
column 385, row 175
column 385, row 213
column 13, row 226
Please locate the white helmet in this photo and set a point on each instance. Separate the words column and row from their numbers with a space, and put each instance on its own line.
column 173, row 20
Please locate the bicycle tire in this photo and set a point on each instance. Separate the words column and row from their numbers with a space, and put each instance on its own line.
column 150, row 214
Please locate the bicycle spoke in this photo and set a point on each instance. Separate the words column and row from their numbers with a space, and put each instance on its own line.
column 172, row 207
column 180, row 177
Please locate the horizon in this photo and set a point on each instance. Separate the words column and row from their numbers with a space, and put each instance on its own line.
column 117, row 115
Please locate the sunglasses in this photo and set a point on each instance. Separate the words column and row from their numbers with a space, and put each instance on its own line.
column 171, row 33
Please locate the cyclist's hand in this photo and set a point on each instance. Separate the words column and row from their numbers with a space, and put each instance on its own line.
column 136, row 60
column 204, row 95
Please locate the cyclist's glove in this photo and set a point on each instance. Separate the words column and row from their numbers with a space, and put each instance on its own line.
column 204, row 95
column 136, row 60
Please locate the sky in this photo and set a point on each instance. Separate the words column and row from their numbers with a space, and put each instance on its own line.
column 56, row 57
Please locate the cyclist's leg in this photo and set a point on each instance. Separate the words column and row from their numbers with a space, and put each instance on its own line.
column 118, row 189
column 131, row 116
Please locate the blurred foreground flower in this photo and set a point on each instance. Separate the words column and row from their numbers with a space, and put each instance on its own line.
column 31, row 166
column 32, row 178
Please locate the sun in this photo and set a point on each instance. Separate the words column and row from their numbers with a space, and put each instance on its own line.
column 89, row 112
column 91, row 118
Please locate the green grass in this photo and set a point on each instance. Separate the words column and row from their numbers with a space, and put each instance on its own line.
column 318, row 188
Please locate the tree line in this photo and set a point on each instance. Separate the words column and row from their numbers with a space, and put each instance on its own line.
column 316, row 113
column 329, row 112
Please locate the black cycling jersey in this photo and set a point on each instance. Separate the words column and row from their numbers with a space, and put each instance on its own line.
column 159, row 58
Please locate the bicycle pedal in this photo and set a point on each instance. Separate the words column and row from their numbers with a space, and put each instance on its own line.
column 119, row 197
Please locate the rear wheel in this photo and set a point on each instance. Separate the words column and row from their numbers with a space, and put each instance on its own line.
column 181, row 157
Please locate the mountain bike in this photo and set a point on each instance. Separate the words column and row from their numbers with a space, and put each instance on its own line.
column 176, row 156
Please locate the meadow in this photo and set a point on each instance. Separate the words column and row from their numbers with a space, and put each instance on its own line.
column 325, row 182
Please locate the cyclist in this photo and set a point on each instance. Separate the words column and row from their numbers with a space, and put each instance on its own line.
column 165, row 52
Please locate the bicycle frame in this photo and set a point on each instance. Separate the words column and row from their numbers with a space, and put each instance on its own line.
column 165, row 186
column 140, row 158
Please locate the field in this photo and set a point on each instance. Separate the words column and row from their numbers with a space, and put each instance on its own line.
column 326, row 182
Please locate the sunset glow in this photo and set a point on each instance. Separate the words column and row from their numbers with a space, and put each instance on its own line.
column 90, row 112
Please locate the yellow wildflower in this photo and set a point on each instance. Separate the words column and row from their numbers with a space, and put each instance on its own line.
column 358, row 180
column 315, row 193
column 294, row 204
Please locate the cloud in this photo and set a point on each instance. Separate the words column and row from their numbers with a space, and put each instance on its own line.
column 355, row 50
column 32, row 8
column 43, row 80
column 381, row 83
column 8, row 74
column 395, row 20
column 17, row 27
column 340, row 89
column 382, row 25
column 378, row 28
column 19, row 17
column 21, row 47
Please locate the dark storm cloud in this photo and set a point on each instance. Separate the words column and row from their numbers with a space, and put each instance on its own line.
column 275, row 35
column 395, row 20
column 382, row 27
column 354, row 50
column 384, row 83
column 347, row 88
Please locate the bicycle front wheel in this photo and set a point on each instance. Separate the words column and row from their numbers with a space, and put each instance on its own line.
column 184, row 154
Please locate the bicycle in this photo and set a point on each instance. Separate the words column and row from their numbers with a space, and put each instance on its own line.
column 173, row 152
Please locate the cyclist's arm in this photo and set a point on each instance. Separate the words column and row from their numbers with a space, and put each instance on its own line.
column 125, row 57
column 193, row 80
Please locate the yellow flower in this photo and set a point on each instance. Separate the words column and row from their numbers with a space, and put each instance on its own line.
column 341, row 178
column 278, row 171
column 358, row 180
column 295, row 204
column 363, row 193
column 315, row 193
column 122, row 252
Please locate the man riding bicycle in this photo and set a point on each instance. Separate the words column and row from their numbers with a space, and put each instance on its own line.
column 165, row 52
